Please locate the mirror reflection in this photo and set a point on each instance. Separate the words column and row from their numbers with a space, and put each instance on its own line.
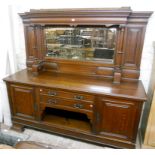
column 81, row 43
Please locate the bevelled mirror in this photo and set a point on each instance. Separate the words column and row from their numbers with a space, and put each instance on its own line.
column 81, row 43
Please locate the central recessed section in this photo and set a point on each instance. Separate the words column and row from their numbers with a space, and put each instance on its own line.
column 66, row 119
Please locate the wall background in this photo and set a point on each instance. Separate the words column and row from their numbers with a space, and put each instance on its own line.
column 12, row 56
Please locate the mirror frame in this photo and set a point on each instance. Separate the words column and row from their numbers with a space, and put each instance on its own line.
column 131, row 29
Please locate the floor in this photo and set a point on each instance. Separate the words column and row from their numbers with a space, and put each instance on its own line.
column 51, row 140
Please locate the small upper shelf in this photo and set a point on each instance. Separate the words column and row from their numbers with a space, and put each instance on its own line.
column 101, row 16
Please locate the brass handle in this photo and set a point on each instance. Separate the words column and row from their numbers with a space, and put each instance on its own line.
column 120, row 52
column 78, row 105
column 51, row 93
column 78, row 97
column 51, row 101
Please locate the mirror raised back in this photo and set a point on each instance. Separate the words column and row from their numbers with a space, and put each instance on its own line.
column 100, row 42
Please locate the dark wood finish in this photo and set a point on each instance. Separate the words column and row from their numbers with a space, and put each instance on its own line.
column 81, row 84
column 37, row 65
column 132, row 46
column 23, row 100
column 94, row 101
column 67, row 104
column 117, row 77
column 17, row 127
column 81, row 16
column 103, row 102
column 129, row 43
column 125, row 113
column 66, row 95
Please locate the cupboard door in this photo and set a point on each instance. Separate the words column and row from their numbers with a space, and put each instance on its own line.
column 134, row 37
column 23, row 101
column 118, row 119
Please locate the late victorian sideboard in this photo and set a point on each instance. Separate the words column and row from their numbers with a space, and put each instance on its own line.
column 82, row 75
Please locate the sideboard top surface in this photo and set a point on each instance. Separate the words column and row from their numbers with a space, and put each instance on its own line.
column 94, row 85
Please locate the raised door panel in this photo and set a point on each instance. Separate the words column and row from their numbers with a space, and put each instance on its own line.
column 30, row 39
column 23, row 101
column 132, row 48
column 117, row 119
column 40, row 42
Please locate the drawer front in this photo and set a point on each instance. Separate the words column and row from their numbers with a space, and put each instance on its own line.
column 66, row 94
column 59, row 102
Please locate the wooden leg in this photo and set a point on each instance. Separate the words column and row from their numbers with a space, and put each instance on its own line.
column 17, row 127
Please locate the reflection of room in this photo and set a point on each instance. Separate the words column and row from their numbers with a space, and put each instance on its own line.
column 81, row 43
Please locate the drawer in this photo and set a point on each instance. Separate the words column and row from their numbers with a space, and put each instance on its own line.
column 59, row 102
column 66, row 94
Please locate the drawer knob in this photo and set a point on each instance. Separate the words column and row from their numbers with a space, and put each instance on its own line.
column 51, row 101
column 51, row 93
column 73, row 19
column 78, row 97
column 78, row 105
column 91, row 105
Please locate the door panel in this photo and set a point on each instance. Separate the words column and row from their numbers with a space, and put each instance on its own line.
column 23, row 101
column 132, row 46
column 117, row 118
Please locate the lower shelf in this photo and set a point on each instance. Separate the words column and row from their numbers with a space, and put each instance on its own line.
column 70, row 124
column 66, row 119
